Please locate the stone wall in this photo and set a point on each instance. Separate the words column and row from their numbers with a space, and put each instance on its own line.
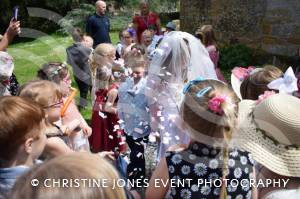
column 270, row 25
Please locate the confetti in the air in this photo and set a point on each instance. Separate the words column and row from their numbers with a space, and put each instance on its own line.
column 101, row 114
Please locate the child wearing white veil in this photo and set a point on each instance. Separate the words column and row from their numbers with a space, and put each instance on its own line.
column 179, row 58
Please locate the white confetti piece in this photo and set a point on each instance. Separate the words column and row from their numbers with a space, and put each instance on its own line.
column 166, row 140
column 101, row 114
column 111, row 137
column 147, row 109
column 138, row 130
column 177, row 137
column 162, row 119
column 117, row 127
column 152, row 138
column 122, row 143
column 158, row 113
column 139, row 154
column 168, row 73
column 126, row 159
column 120, row 121
column 161, row 127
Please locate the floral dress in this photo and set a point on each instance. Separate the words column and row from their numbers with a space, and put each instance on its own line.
column 199, row 169
column 14, row 85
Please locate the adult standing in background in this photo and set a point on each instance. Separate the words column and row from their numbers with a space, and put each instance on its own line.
column 12, row 31
column 144, row 20
column 98, row 25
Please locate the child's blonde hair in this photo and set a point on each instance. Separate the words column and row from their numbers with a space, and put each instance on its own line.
column 88, row 41
column 43, row 92
column 201, row 119
column 73, row 166
column 101, row 51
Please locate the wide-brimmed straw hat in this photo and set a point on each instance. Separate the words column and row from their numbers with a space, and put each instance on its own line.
column 270, row 130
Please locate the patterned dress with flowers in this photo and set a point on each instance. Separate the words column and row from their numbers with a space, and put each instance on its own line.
column 201, row 165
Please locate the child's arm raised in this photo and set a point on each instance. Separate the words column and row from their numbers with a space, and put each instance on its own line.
column 111, row 98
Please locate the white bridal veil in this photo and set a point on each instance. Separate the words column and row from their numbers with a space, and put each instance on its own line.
column 179, row 58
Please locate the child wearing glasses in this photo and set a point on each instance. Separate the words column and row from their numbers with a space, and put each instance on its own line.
column 58, row 73
column 48, row 95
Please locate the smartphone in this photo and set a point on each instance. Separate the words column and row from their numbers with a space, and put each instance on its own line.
column 15, row 13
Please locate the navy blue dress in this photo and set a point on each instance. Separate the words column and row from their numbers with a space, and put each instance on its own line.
column 202, row 163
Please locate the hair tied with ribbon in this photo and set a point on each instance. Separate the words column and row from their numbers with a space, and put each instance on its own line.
column 286, row 84
column 215, row 104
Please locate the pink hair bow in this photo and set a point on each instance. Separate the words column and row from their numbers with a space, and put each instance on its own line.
column 241, row 73
column 215, row 104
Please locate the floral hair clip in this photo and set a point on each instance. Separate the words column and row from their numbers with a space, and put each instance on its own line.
column 242, row 73
column 265, row 96
column 192, row 82
column 60, row 67
column 215, row 104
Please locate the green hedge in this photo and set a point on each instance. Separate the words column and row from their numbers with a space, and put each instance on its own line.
column 235, row 55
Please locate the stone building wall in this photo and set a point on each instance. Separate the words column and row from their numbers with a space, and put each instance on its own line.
column 270, row 25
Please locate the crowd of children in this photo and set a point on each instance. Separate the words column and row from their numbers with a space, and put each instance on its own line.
column 167, row 89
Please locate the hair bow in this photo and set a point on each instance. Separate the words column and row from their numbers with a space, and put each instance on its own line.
column 190, row 83
column 286, row 84
column 215, row 104
column 242, row 73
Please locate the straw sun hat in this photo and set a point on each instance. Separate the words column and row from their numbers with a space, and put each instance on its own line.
column 270, row 130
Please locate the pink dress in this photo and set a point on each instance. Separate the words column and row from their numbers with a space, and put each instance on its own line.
column 214, row 56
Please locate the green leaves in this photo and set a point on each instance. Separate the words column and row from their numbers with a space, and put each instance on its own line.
column 235, row 55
